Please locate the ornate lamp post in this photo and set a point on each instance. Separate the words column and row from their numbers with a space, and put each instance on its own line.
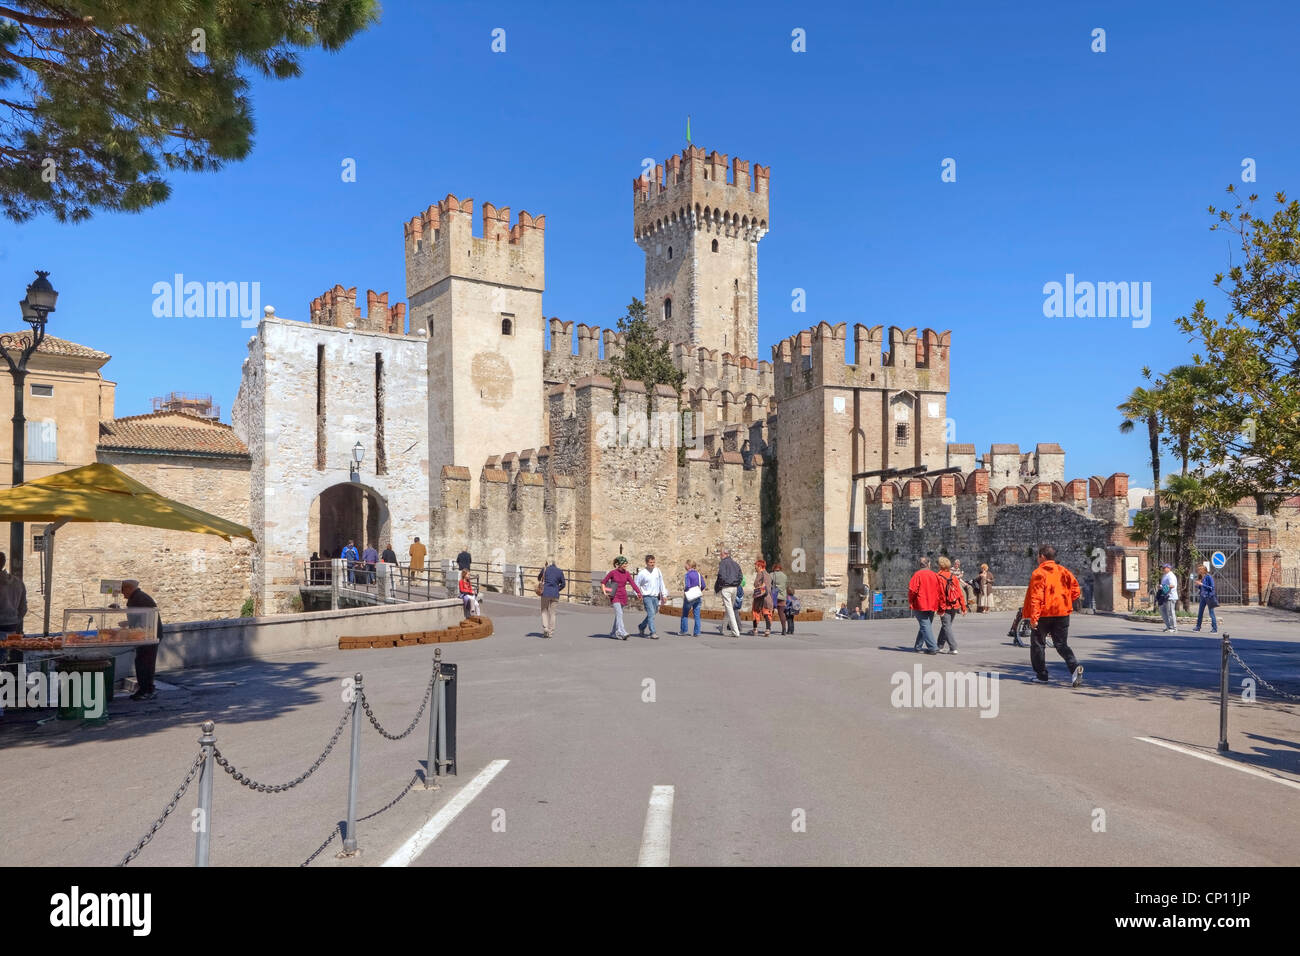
column 358, row 456
column 36, row 305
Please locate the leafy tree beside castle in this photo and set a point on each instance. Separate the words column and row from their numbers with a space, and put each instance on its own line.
column 647, row 359
column 100, row 99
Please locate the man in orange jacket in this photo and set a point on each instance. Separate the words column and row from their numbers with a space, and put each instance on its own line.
column 1049, row 599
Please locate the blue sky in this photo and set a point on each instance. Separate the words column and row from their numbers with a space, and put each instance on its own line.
column 1068, row 161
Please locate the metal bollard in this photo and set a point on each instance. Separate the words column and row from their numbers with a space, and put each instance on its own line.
column 1223, row 696
column 202, row 841
column 350, row 841
column 429, row 765
column 441, row 690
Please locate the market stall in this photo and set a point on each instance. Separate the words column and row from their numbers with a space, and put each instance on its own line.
column 97, row 492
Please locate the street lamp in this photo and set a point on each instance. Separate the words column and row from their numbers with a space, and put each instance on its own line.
column 36, row 307
column 358, row 456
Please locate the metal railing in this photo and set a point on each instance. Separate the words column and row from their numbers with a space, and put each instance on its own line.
column 440, row 760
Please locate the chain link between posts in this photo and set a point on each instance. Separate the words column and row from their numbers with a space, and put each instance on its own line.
column 252, row 784
column 1259, row 680
column 374, row 721
column 158, row 824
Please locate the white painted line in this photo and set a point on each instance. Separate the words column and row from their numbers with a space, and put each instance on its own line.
column 424, row 836
column 1223, row 762
column 658, row 832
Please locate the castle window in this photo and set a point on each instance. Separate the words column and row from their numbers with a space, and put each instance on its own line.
column 670, row 252
column 668, row 308
column 320, row 408
column 507, row 323
column 715, row 245
column 45, row 390
column 900, row 435
column 381, row 455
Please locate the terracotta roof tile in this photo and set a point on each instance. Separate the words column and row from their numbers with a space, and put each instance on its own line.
column 55, row 346
column 143, row 433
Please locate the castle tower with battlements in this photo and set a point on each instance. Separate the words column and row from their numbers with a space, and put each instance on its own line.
column 480, row 301
column 699, row 231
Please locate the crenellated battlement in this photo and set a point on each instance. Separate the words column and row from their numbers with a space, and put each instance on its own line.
column 817, row 357
column 338, row 306
column 692, row 191
column 440, row 243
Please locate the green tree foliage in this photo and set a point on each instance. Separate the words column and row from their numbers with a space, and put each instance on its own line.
column 647, row 359
column 100, row 99
column 1144, row 406
column 1248, row 426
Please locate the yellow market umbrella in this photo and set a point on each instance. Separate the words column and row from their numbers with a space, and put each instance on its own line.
column 101, row 492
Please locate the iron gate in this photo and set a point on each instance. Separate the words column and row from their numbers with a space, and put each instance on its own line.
column 1227, row 579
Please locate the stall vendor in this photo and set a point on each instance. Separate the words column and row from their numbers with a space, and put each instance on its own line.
column 13, row 601
column 146, row 656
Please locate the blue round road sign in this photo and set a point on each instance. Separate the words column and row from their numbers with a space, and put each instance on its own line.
column 1218, row 559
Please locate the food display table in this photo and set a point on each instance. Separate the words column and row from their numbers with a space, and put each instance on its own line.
column 110, row 632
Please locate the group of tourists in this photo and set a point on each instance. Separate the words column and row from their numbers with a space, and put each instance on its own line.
column 1049, row 601
column 1207, row 597
column 767, row 596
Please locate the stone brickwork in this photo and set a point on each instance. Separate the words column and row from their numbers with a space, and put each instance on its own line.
column 700, row 233
column 193, row 577
column 308, row 396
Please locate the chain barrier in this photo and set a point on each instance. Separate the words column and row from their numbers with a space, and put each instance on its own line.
column 1259, row 680
column 244, row 780
column 338, row 829
column 252, row 784
column 374, row 721
column 157, row 824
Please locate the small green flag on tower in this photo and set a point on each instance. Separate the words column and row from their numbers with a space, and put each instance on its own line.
column 688, row 127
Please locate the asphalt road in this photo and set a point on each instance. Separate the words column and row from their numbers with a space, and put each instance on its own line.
column 778, row 751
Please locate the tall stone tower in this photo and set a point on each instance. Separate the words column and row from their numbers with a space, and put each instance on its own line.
column 700, row 234
column 480, row 300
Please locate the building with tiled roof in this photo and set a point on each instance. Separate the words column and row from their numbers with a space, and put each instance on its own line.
column 174, row 433
column 62, row 347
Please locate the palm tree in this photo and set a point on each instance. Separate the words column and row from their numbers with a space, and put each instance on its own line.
column 1146, row 405
column 1184, row 392
column 1193, row 495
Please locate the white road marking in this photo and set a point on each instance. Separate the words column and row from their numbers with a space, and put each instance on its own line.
column 1223, row 762
column 658, row 833
column 419, row 842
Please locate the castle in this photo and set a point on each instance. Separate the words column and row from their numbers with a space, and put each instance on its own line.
column 473, row 432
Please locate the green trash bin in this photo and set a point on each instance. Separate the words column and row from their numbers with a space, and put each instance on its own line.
column 67, row 711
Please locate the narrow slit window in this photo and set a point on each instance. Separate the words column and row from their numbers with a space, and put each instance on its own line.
column 668, row 308
column 381, row 458
column 320, row 408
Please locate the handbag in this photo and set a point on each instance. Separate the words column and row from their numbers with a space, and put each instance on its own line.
column 693, row 594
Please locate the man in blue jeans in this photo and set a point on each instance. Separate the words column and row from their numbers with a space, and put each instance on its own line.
column 923, row 598
column 650, row 581
column 1209, row 599
column 693, row 580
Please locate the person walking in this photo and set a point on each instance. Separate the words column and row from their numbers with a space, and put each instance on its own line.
column 417, row 552
column 692, row 597
column 1049, row 600
column 550, row 582
column 792, row 608
column 615, row 585
column 761, row 602
column 725, row 584
column 370, row 557
column 146, row 656
column 353, row 560
column 650, row 582
column 984, row 589
column 463, row 560
column 1167, row 598
column 1209, row 598
column 389, row 556
column 923, row 599
column 779, row 585
column 952, row 601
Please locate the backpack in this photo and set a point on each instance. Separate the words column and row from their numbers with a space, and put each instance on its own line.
column 793, row 605
column 949, row 602
column 1162, row 595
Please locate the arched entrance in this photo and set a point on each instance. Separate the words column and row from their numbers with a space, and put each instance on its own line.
column 347, row 512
